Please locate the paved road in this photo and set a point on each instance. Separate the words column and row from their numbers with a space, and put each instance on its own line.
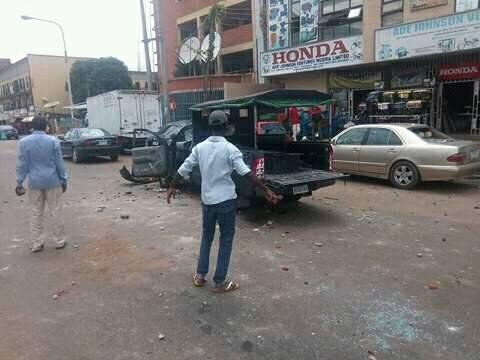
column 362, row 289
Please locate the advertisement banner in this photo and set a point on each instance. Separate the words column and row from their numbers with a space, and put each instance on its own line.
column 464, row 71
column 308, row 20
column 424, row 4
column 314, row 56
column 277, row 24
column 441, row 35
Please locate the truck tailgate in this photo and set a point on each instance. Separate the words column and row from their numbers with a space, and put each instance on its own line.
column 302, row 181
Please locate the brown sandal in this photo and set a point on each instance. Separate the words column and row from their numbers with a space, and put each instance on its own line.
column 227, row 286
column 198, row 281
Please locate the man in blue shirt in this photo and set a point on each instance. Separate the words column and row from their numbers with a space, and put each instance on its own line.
column 217, row 159
column 40, row 160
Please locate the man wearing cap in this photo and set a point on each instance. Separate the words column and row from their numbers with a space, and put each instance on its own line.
column 217, row 159
column 40, row 160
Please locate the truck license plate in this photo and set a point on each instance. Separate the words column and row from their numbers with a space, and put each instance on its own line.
column 103, row 142
column 301, row 189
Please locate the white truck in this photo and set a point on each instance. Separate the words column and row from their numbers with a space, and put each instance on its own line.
column 121, row 111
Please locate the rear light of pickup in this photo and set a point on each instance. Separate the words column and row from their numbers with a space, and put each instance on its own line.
column 259, row 168
column 331, row 164
column 458, row 158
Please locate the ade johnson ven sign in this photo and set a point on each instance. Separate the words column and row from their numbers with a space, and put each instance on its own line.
column 312, row 56
column 434, row 36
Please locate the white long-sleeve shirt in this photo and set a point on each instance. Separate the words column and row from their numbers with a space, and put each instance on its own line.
column 217, row 159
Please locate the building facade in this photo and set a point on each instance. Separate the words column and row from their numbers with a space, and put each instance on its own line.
column 179, row 20
column 31, row 83
column 395, row 60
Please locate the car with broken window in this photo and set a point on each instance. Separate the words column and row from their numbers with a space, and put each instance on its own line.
column 292, row 169
column 404, row 154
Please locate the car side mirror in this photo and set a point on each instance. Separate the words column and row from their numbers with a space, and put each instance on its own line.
column 333, row 141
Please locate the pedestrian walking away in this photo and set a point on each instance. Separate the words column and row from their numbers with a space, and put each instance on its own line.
column 40, row 161
column 217, row 159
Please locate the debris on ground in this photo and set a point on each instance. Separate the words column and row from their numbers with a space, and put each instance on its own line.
column 75, row 246
column 124, row 217
column 161, row 337
column 128, row 193
column 74, row 283
column 256, row 229
column 283, row 235
column 269, row 223
column 162, row 228
column 318, row 244
column 58, row 294
column 101, row 209
column 444, row 239
column 432, row 286
column 284, row 268
column 371, row 355
column 419, row 255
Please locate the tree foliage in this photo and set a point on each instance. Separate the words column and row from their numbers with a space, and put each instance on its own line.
column 96, row 76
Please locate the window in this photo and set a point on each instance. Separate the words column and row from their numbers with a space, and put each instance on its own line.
column 465, row 5
column 187, row 29
column 336, row 21
column 237, row 15
column 392, row 12
column 239, row 62
column 295, row 22
column 331, row 6
column 379, row 136
column 352, row 137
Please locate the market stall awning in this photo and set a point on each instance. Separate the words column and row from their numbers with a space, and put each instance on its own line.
column 279, row 98
column 80, row 106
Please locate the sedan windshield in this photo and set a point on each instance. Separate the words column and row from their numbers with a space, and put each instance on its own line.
column 93, row 133
column 430, row 135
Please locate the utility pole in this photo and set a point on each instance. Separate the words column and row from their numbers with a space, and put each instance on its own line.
column 145, row 44
column 162, row 59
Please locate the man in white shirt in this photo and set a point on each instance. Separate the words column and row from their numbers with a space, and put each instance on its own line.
column 217, row 159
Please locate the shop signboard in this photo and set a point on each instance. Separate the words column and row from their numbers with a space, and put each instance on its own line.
column 424, row 4
column 308, row 20
column 434, row 36
column 313, row 56
column 277, row 24
column 463, row 71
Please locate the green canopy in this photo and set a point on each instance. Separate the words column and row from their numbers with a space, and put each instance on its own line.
column 279, row 98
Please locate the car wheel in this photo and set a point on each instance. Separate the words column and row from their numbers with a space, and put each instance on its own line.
column 76, row 156
column 404, row 175
column 114, row 157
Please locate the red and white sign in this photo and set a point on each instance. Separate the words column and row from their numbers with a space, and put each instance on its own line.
column 312, row 56
column 462, row 71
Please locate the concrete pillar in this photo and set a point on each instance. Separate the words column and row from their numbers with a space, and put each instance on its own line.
column 372, row 20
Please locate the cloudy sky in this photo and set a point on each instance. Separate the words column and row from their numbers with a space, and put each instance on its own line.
column 93, row 28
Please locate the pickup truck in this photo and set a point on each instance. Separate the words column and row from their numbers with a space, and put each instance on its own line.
column 291, row 169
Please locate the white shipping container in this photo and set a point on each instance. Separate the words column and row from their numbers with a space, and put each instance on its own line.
column 121, row 111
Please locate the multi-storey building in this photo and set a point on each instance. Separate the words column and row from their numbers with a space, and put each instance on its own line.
column 178, row 20
column 420, row 56
column 29, row 84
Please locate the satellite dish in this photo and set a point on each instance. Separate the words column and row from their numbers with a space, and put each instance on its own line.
column 217, row 40
column 189, row 50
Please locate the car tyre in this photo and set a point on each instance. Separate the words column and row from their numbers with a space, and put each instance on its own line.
column 76, row 158
column 404, row 175
column 114, row 158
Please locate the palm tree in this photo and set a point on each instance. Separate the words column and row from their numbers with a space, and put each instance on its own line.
column 215, row 15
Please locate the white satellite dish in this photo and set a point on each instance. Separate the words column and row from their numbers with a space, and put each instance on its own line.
column 189, row 50
column 217, row 41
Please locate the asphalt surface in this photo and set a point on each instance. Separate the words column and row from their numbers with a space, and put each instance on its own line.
column 332, row 277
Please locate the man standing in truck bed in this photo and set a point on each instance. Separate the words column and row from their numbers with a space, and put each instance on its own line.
column 217, row 159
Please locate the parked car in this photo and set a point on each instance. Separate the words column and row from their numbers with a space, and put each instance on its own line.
column 82, row 143
column 405, row 154
column 8, row 132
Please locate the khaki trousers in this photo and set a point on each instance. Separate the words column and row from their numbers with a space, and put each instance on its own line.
column 51, row 199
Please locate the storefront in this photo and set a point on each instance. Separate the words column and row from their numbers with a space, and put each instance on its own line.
column 442, row 53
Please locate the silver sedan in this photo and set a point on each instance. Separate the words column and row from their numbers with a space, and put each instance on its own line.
column 405, row 154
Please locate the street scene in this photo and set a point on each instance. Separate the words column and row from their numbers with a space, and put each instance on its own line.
column 238, row 179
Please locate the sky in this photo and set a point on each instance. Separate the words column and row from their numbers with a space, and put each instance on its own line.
column 93, row 28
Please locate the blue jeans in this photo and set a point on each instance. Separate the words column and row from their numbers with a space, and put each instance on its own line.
column 224, row 214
